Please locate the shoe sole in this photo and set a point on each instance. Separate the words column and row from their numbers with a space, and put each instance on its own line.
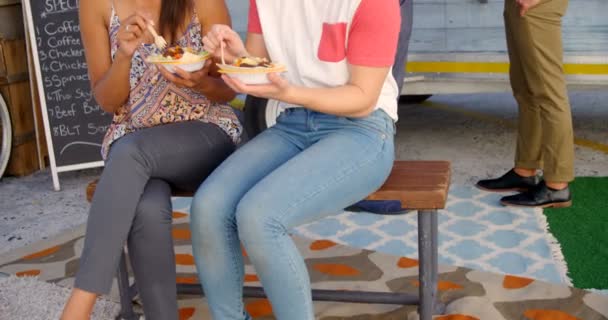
column 502, row 190
column 544, row 206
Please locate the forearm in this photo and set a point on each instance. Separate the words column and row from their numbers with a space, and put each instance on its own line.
column 113, row 89
column 348, row 100
column 216, row 90
column 255, row 46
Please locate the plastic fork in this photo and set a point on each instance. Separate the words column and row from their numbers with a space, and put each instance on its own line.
column 222, row 52
column 159, row 41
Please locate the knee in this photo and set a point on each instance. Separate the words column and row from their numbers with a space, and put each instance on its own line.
column 210, row 213
column 257, row 222
column 152, row 213
column 125, row 150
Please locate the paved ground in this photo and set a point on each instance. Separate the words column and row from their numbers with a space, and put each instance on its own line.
column 475, row 132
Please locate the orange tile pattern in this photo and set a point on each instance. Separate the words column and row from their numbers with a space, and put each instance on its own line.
column 181, row 234
column 407, row 263
column 513, row 282
column 251, row 278
column 182, row 259
column 259, row 308
column 186, row 280
column 28, row 273
column 456, row 317
column 441, row 285
column 336, row 269
column 321, row 245
column 177, row 215
column 41, row 254
column 186, row 313
column 548, row 315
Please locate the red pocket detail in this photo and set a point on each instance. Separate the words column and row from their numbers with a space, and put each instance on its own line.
column 332, row 45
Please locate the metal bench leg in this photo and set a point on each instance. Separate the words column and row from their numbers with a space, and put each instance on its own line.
column 434, row 253
column 126, row 303
column 427, row 253
column 439, row 307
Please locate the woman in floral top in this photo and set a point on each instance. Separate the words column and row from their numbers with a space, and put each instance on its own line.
column 168, row 131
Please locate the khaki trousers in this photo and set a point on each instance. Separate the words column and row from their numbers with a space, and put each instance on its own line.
column 544, row 139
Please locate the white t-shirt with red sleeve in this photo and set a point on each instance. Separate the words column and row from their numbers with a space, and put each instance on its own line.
column 317, row 39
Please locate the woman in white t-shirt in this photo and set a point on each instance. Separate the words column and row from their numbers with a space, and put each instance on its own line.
column 331, row 147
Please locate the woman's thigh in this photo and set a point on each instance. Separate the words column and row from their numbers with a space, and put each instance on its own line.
column 243, row 169
column 337, row 171
column 182, row 154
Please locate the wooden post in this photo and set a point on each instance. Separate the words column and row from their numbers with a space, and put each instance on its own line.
column 15, row 88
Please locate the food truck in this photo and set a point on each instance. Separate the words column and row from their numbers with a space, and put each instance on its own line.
column 459, row 46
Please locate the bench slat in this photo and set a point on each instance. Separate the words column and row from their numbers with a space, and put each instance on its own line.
column 416, row 184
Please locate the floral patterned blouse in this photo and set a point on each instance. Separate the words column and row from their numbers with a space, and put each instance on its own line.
column 155, row 100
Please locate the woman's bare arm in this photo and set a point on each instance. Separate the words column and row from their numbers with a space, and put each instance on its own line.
column 109, row 80
column 255, row 45
column 212, row 12
column 357, row 98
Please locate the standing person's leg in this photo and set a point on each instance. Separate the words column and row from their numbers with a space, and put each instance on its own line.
column 215, row 242
column 151, row 252
column 343, row 167
column 528, row 156
column 539, row 38
column 407, row 9
column 180, row 153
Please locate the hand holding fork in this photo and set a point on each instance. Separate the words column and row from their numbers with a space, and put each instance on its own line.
column 159, row 41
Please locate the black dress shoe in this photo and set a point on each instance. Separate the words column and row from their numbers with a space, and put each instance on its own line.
column 541, row 196
column 510, row 181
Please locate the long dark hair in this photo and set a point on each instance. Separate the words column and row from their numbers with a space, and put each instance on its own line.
column 172, row 16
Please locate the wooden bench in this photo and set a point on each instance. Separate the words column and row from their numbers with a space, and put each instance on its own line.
column 417, row 185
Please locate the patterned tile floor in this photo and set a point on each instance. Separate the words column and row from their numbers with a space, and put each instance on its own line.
column 469, row 294
column 475, row 231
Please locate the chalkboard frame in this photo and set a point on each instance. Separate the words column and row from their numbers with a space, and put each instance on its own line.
column 32, row 43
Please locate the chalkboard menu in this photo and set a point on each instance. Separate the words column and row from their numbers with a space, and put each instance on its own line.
column 76, row 124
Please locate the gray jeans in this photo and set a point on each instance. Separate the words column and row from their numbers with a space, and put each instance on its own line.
column 132, row 203
column 407, row 9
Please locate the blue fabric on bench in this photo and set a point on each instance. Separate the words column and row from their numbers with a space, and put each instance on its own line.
column 378, row 206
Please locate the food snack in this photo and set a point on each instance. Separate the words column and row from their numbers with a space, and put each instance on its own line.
column 187, row 55
column 251, row 70
column 184, row 58
column 175, row 52
column 252, row 62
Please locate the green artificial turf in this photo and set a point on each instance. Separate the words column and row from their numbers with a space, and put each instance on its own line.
column 582, row 231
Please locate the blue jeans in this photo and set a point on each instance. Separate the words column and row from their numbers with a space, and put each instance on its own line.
column 308, row 166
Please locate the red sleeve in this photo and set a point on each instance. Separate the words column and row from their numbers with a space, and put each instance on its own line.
column 374, row 32
column 253, row 25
